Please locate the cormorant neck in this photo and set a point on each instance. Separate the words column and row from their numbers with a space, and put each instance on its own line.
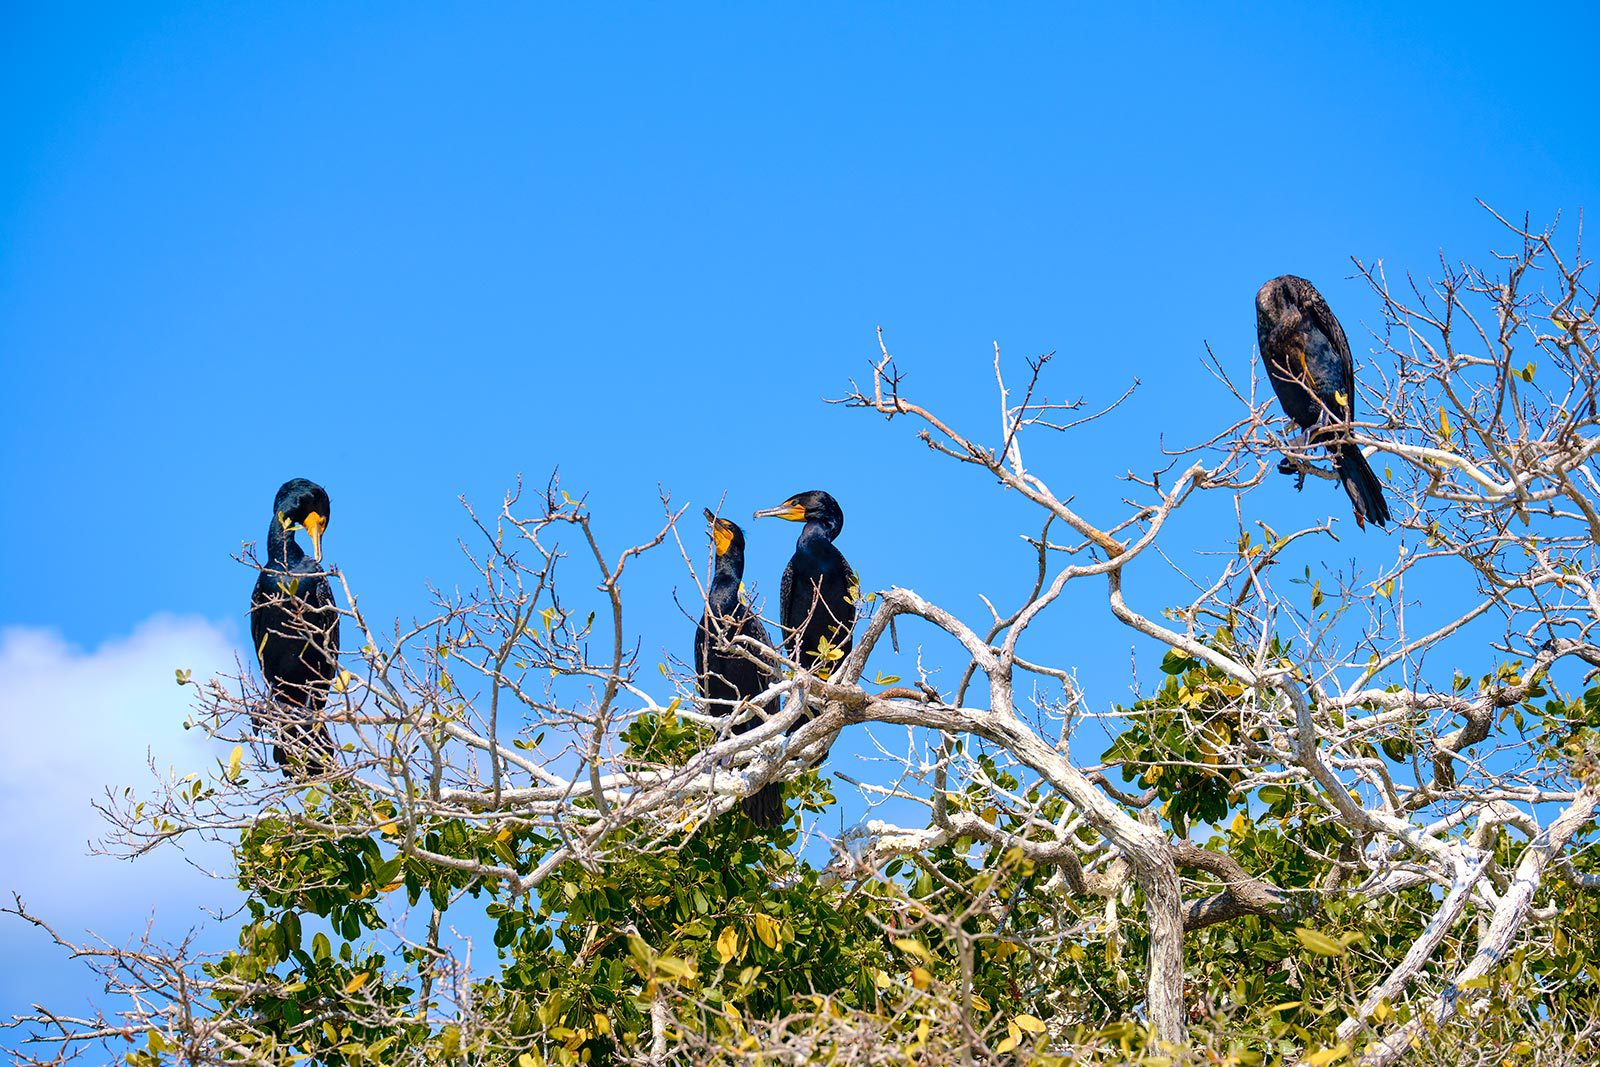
column 726, row 574
column 823, row 529
column 282, row 548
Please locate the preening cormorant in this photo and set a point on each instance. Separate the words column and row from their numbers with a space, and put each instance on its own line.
column 294, row 625
column 817, row 602
column 727, row 672
column 1308, row 361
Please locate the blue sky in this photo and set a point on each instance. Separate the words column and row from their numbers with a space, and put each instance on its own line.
column 410, row 253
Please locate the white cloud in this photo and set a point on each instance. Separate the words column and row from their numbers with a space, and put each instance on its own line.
column 72, row 723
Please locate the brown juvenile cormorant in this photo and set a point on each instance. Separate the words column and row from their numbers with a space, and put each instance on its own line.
column 726, row 672
column 1308, row 361
column 294, row 625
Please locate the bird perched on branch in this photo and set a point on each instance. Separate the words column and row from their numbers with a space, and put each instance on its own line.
column 1308, row 361
column 730, row 671
column 294, row 624
column 817, row 601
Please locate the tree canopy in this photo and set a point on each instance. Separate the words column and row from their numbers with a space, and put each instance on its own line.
column 1331, row 821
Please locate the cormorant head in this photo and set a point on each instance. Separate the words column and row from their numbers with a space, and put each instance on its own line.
column 1278, row 297
column 726, row 537
column 812, row 506
column 303, row 505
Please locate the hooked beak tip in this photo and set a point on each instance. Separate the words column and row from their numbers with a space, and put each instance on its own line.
column 314, row 525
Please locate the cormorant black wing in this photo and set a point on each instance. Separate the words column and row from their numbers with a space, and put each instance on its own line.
column 259, row 598
column 320, row 598
column 1342, row 377
column 701, row 637
column 788, row 617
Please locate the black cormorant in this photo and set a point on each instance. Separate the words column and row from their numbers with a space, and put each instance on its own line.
column 294, row 625
column 1308, row 361
column 727, row 672
column 817, row 602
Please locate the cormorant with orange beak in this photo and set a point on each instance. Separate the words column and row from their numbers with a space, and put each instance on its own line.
column 294, row 625
column 817, row 603
column 729, row 671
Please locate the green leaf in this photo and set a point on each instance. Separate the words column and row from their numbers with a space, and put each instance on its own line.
column 1175, row 662
column 1318, row 943
column 674, row 967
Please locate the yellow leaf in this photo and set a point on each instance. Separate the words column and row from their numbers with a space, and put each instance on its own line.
column 727, row 944
column 1326, row 1056
column 503, row 836
column 1029, row 1024
column 674, row 966
column 921, row 978
column 235, row 760
column 913, row 947
column 602, row 1025
column 1321, row 944
column 357, row 982
column 1007, row 1045
column 767, row 930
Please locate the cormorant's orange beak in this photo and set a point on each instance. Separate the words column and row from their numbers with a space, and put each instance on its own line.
column 787, row 510
column 314, row 525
